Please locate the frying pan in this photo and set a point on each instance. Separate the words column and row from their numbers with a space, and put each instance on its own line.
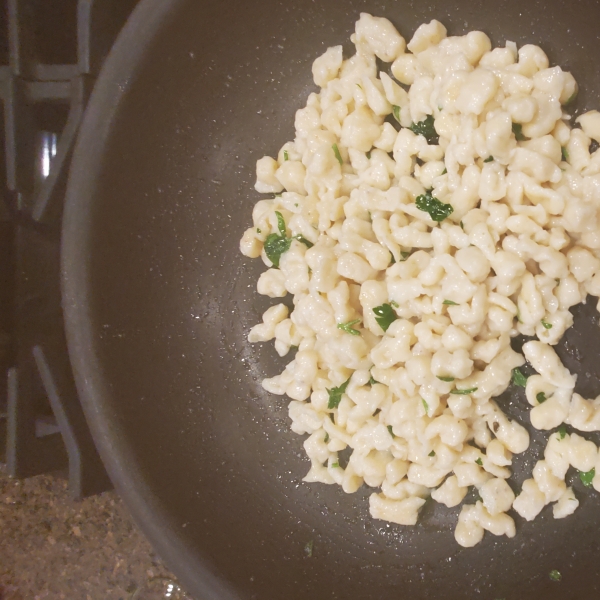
column 158, row 303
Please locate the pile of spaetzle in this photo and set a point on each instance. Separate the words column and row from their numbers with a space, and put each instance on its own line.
column 421, row 221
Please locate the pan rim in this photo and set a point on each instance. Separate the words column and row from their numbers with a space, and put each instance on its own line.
column 141, row 28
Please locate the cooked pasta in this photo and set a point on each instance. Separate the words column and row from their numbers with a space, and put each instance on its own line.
column 423, row 216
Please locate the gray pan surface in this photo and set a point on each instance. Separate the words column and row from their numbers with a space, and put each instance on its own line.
column 158, row 303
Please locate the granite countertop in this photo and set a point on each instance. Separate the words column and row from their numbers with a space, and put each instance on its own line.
column 54, row 547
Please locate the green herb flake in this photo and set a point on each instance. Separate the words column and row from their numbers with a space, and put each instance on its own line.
column 258, row 230
column 327, row 438
column 390, row 429
column 541, row 397
column 394, row 304
column 571, row 98
column 425, row 405
column 449, row 303
column 518, row 378
column 555, row 575
column 447, row 379
column 588, row 477
column 436, row 209
column 464, row 392
column 335, row 465
column 396, row 112
column 275, row 246
column 445, row 171
column 546, row 324
column 562, row 432
column 336, row 151
column 385, row 316
column 404, row 255
column 347, row 327
column 302, row 239
column 372, row 380
column 278, row 244
column 462, row 225
column 517, row 129
column 564, row 153
column 369, row 155
column 479, row 462
column 286, row 155
column 281, row 223
column 360, row 86
column 432, row 453
column 335, row 394
column 489, row 159
column 308, row 549
column 426, row 128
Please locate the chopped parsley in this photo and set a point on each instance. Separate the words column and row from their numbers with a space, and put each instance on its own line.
column 479, row 462
column 394, row 304
column 335, row 394
column 444, row 171
column 286, row 155
column 562, row 432
column 347, row 327
column 432, row 453
column 447, row 379
column 336, row 151
column 372, row 380
column 546, row 324
column 426, row 129
column 564, row 153
column 489, row 159
column 390, row 430
column 275, row 246
column 258, row 230
column 302, row 239
column 588, row 477
column 308, row 549
column 425, row 406
column 436, row 209
column 449, row 303
column 369, row 155
column 335, row 465
column 462, row 225
column 396, row 112
column 517, row 129
column 385, row 316
column 278, row 244
column 518, row 378
column 555, row 575
column 571, row 98
column 404, row 255
column 326, row 440
column 464, row 392
column 541, row 397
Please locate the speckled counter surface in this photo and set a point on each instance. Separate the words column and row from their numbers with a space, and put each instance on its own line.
column 54, row 547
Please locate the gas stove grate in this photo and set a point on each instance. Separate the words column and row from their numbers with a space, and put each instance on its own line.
column 51, row 54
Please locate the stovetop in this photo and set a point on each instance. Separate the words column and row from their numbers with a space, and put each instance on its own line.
column 50, row 55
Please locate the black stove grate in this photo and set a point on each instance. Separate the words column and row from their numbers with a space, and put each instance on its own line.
column 50, row 54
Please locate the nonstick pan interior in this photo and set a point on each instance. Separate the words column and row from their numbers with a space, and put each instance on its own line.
column 158, row 303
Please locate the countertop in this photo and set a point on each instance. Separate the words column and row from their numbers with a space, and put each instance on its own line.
column 55, row 547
